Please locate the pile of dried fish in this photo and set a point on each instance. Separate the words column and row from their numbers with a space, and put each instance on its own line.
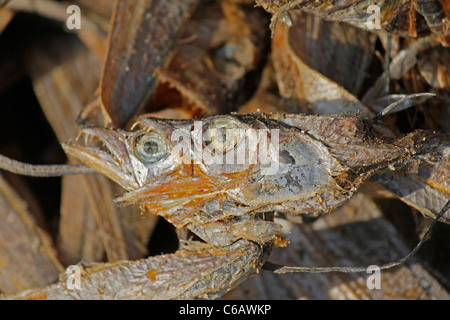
column 259, row 130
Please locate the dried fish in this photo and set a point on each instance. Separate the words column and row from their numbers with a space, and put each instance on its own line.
column 17, row 229
column 339, row 51
column 306, row 86
column 321, row 162
column 317, row 188
column 356, row 234
column 424, row 185
column 433, row 66
column 205, row 273
column 142, row 36
column 398, row 17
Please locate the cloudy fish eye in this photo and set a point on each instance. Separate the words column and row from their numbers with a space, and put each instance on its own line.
column 150, row 148
column 222, row 134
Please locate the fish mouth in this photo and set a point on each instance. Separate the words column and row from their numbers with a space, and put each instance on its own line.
column 106, row 151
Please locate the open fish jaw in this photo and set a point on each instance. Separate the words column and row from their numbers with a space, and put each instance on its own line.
column 106, row 151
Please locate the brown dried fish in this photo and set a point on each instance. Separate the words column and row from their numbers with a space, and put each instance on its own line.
column 355, row 234
column 204, row 273
column 398, row 17
column 178, row 186
column 142, row 37
column 22, row 242
column 424, row 185
column 307, row 87
column 434, row 67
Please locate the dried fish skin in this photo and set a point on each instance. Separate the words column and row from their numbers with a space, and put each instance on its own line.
column 339, row 51
column 351, row 11
column 398, row 17
column 355, row 142
column 249, row 227
column 306, row 86
column 433, row 66
column 207, row 273
column 423, row 184
column 437, row 15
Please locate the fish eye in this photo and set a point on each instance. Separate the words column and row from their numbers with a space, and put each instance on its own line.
column 222, row 134
column 150, row 148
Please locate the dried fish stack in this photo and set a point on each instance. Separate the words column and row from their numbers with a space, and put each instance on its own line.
column 348, row 190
